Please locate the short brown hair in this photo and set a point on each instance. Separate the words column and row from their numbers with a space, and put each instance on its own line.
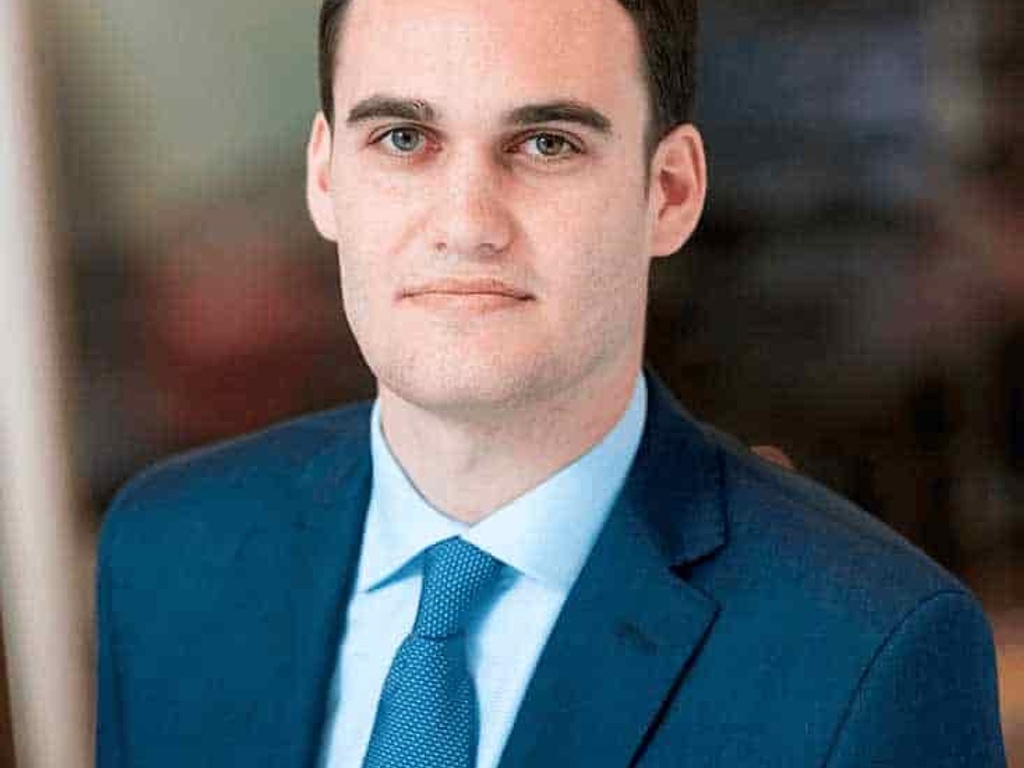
column 668, row 38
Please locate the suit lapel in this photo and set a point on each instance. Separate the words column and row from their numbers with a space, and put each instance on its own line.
column 290, row 582
column 622, row 643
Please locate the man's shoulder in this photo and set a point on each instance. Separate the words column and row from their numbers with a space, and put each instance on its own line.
column 231, row 483
column 862, row 648
column 797, row 543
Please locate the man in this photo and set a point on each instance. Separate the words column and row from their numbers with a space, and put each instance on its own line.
column 525, row 553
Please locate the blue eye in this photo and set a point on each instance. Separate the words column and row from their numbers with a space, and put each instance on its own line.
column 403, row 140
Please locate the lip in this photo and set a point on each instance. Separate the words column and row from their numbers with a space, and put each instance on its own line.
column 468, row 287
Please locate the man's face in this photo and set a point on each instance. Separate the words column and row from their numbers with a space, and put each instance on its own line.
column 485, row 185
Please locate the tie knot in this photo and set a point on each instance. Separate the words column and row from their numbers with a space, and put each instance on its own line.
column 455, row 576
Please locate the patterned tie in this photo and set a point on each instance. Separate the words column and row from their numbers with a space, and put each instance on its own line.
column 427, row 716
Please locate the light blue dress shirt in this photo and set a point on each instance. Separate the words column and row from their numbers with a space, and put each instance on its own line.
column 543, row 536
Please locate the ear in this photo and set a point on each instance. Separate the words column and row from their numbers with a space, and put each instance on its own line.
column 318, row 178
column 678, row 189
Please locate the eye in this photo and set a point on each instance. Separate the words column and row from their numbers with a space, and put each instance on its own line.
column 403, row 140
column 551, row 146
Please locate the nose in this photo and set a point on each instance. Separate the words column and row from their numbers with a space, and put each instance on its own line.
column 471, row 219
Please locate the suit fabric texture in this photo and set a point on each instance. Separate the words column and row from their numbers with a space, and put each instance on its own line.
column 731, row 614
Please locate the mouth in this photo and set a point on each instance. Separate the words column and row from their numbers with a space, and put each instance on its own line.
column 459, row 299
column 466, row 289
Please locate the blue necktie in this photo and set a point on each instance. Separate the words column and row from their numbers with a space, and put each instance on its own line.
column 427, row 716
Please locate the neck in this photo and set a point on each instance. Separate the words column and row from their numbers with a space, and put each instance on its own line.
column 469, row 467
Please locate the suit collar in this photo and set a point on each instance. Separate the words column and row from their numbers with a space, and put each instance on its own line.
column 336, row 480
column 631, row 626
column 675, row 485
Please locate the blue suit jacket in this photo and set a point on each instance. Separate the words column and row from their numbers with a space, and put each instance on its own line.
column 730, row 614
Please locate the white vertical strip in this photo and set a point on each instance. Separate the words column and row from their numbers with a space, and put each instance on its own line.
column 41, row 589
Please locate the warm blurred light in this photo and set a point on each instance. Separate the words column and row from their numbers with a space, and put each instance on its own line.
column 1009, row 635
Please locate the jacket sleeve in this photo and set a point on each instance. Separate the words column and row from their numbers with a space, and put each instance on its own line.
column 929, row 696
column 109, row 736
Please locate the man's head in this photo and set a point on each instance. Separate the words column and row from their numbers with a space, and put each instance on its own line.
column 668, row 39
column 495, row 217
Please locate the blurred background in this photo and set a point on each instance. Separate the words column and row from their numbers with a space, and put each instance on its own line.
column 855, row 294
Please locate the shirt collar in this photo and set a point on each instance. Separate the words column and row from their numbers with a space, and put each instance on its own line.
column 546, row 534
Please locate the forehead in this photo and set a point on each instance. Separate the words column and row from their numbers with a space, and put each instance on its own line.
column 483, row 56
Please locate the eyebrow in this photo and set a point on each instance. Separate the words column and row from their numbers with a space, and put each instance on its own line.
column 560, row 110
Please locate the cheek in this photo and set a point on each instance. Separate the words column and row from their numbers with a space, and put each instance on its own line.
column 364, row 216
column 598, row 254
column 371, row 201
column 607, row 291
column 369, row 231
column 365, row 289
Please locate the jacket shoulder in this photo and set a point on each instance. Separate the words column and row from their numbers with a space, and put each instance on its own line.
column 801, row 539
column 231, row 484
column 849, row 634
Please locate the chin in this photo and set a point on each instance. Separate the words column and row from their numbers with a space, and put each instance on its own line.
column 458, row 387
